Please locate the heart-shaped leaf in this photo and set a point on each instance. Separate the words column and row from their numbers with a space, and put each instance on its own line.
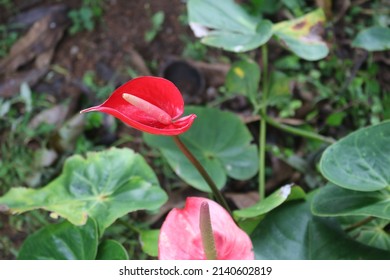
column 292, row 232
column 111, row 250
column 375, row 38
column 371, row 232
column 335, row 201
column 270, row 202
column 219, row 140
column 361, row 160
column 63, row 241
column 104, row 185
column 224, row 24
column 243, row 78
column 303, row 35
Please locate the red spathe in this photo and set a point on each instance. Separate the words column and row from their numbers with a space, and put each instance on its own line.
column 157, row 91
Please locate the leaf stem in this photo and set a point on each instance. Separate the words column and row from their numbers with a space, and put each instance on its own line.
column 359, row 224
column 263, row 131
column 297, row 131
column 217, row 194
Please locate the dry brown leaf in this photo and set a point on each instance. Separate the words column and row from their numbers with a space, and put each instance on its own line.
column 36, row 45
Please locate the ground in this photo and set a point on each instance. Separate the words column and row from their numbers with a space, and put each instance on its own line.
column 78, row 69
column 114, row 47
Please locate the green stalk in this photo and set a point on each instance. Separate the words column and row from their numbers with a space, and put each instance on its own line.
column 297, row 131
column 263, row 131
column 217, row 194
column 206, row 231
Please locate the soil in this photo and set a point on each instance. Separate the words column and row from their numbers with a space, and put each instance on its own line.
column 109, row 48
column 115, row 45
column 120, row 30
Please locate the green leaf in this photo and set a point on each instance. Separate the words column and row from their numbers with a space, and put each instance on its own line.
column 219, row 140
column 361, row 160
column 149, row 241
column 62, row 241
column 249, row 225
column 264, row 6
column 269, row 203
column 243, row 78
column 157, row 21
column 104, row 185
column 291, row 232
column 335, row 201
column 225, row 24
column 336, row 118
column 111, row 250
column 280, row 88
column 372, row 233
column 376, row 38
column 303, row 35
column 250, row 217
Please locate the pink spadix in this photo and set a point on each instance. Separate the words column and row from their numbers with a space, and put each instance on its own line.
column 148, row 108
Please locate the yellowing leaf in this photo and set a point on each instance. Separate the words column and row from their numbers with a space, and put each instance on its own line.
column 303, row 35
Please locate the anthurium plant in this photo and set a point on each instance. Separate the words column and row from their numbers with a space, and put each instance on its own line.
column 347, row 218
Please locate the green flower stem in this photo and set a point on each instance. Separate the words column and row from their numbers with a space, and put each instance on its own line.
column 206, row 231
column 263, row 131
column 297, row 131
column 202, row 171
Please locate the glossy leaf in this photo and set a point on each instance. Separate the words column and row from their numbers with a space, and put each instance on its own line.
column 149, row 241
column 291, row 232
column 225, row 24
column 270, row 202
column 105, row 186
column 63, row 241
column 111, row 250
column 376, row 38
column 249, row 224
column 154, row 96
column 243, row 78
column 361, row 160
column 219, row 140
column 373, row 233
column 250, row 217
column 180, row 236
column 335, row 201
column 303, row 35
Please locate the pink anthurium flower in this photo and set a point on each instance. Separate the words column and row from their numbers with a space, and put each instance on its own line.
column 181, row 238
column 150, row 104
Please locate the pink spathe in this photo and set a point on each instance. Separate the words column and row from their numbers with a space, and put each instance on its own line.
column 180, row 237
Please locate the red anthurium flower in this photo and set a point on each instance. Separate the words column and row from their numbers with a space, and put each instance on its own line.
column 150, row 104
column 180, row 236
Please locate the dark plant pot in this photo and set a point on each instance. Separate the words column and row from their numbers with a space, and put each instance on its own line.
column 187, row 78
